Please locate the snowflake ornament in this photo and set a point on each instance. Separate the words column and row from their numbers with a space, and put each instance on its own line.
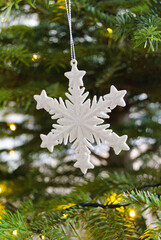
column 80, row 121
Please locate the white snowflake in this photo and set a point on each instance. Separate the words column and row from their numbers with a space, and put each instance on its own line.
column 80, row 121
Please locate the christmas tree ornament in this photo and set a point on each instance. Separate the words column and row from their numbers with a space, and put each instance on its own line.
column 80, row 120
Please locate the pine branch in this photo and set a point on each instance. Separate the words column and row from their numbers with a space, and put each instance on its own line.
column 11, row 222
column 16, row 54
column 138, row 198
column 155, row 7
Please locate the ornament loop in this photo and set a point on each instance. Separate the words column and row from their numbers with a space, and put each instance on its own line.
column 73, row 62
column 69, row 16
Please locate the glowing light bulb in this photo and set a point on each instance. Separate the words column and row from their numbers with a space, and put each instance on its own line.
column 42, row 237
column 11, row 152
column 34, row 57
column 15, row 233
column 2, row 188
column 62, row 7
column 3, row 20
column 65, row 215
column 12, row 127
column 132, row 213
column 110, row 31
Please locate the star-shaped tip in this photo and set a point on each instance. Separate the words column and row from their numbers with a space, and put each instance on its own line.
column 115, row 97
column 75, row 76
column 120, row 143
column 125, row 146
column 47, row 141
column 75, row 73
column 43, row 94
column 121, row 92
column 118, row 96
column 84, row 166
column 43, row 101
column 83, row 162
column 40, row 99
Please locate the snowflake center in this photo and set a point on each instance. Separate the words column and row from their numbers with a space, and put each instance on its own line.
column 77, row 121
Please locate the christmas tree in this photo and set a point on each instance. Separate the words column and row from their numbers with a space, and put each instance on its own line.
column 42, row 195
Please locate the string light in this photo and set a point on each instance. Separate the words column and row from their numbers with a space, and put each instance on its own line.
column 12, row 127
column 15, row 233
column 61, row 4
column 3, row 20
column 11, row 152
column 110, row 31
column 132, row 213
column 34, row 57
column 65, row 215
column 2, row 189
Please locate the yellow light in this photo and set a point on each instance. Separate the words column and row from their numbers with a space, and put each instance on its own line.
column 62, row 7
column 34, row 57
column 65, row 215
column 12, row 127
column 132, row 213
column 2, row 188
column 3, row 20
column 110, row 31
column 11, row 152
column 61, row 4
column 15, row 233
column 43, row 237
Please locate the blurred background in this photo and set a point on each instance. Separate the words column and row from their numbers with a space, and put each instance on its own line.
column 117, row 43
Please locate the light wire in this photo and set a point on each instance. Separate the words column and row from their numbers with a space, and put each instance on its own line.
column 69, row 16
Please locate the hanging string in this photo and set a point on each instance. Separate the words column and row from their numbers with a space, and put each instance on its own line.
column 69, row 16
